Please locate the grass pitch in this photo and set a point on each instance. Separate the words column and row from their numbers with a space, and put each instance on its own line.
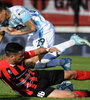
column 78, row 63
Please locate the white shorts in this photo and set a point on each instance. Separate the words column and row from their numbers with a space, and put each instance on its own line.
column 47, row 39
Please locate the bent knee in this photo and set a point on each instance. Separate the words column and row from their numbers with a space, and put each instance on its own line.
column 61, row 94
column 69, row 74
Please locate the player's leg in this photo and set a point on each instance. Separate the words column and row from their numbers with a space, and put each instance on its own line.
column 57, row 76
column 64, row 62
column 61, row 94
column 48, row 78
column 68, row 94
column 49, row 41
column 74, row 40
column 35, row 63
column 76, row 75
column 32, row 43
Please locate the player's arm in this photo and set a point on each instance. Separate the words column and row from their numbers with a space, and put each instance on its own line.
column 31, row 57
column 29, row 27
column 45, row 50
column 29, row 54
column 28, row 23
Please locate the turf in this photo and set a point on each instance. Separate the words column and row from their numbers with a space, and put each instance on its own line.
column 78, row 63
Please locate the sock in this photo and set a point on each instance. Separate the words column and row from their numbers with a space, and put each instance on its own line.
column 52, row 63
column 82, row 75
column 39, row 65
column 55, row 62
column 62, row 47
column 48, row 57
column 65, row 45
column 81, row 93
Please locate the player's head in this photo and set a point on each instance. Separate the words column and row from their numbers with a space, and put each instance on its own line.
column 14, row 51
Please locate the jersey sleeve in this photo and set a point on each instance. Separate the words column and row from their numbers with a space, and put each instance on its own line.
column 25, row 16
column 29, row 54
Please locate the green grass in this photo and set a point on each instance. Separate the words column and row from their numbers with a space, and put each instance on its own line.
column 78, row 63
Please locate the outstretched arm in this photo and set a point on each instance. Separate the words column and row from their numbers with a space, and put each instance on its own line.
column 29, row 27
column 33, row 56
column 39, row 51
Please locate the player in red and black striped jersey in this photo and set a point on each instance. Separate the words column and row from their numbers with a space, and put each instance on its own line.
column 36, row 83
column 17, row 75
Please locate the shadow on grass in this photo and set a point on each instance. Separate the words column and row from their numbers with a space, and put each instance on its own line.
column 13, row 97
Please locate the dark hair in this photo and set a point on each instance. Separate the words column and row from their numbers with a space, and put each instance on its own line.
column 2, row 6
column 13, row 48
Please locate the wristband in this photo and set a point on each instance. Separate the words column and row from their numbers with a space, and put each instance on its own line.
column 29, row 54
column 47, row 49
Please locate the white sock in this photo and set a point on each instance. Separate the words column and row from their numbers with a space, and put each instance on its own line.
column 52, row 63
column 62, row 47
column 39, row 65
column 55, row 62
column 65, row 45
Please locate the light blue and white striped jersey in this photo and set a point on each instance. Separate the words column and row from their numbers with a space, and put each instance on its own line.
column 20, row 15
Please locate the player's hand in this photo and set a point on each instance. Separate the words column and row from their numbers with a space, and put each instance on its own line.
column 3, row 29
column 54, row 49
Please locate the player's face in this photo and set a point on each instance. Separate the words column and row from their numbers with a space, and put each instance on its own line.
column 2, row 16
column 19, row 57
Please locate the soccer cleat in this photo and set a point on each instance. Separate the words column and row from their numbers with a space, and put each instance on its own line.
column 67, row 64
column 79, row 41
column 65, row 85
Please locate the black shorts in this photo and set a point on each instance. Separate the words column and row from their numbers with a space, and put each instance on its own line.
column 47, row 78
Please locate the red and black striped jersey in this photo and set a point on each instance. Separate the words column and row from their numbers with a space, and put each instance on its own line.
column 18, row 77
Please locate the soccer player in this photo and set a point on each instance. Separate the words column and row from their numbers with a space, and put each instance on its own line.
column 49, row 59
column 18, row 20
column 36, row 83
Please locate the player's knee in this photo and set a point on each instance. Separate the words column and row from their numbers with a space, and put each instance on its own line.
column 61, row 94
column 73, row 74
column 69, row 74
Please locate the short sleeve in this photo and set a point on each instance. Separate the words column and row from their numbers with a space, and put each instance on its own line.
column 25, row 16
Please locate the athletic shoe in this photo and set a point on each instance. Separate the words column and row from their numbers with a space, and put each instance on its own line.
column 65, row 85
column 67, row 64
column 79, row 41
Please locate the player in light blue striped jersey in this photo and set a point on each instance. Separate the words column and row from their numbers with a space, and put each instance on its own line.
column 18, row 20
column 40, row 31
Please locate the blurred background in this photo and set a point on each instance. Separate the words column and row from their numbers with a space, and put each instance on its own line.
column 67, row 16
